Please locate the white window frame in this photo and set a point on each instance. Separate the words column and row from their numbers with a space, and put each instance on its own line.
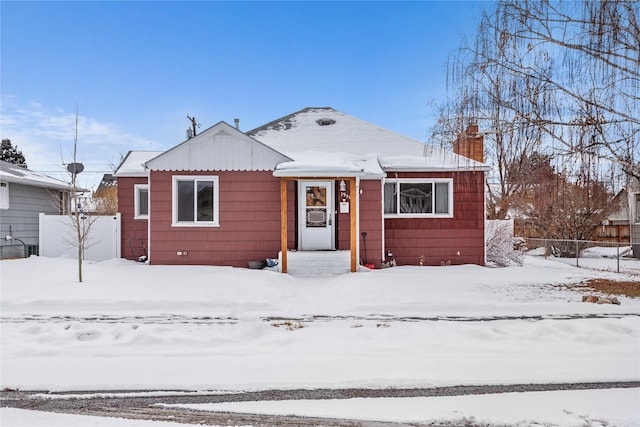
column 174, row 201
column 4, row 195
column 136, row 199
column 637, row 207
column 433, row 181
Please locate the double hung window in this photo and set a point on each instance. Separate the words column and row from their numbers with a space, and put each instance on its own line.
column 195, row 200
column 418, row 198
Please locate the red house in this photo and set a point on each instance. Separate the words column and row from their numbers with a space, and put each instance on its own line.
column 315, row 180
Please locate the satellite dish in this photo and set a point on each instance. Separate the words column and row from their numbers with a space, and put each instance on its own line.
column 75, row 168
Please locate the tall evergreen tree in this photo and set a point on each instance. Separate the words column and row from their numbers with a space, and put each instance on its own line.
column 11, row 154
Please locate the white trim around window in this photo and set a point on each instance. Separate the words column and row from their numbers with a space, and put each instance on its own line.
column 141, row 201
column 418, row 198
column 4, row 195
column 194, row 201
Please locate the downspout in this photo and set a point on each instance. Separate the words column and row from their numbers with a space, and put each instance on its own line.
column 384, row 249
column 484, row 215
column 149, row 214
column 357, row 221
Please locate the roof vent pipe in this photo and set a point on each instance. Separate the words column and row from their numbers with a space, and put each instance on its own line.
column 325, row 121
column 237, row 122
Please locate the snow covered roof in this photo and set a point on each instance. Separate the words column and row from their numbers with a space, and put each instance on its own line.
column 318, row 142
column 221, row 147
column 133, row 163
column 317, row 138
column 10, row 172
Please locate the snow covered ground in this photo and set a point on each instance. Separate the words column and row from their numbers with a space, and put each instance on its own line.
column 610, row 258
column 565, row 408
column 131, row 326
column 559, row 408
column 10, row 417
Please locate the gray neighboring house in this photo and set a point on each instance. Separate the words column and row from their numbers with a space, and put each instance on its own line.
column 24, row 194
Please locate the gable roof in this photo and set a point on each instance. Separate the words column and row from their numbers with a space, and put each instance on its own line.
column 133, row 163
column 13, row 173
column 221, row 147
column 324, row 136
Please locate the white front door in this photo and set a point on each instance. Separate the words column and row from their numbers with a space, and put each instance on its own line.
column 316, row 215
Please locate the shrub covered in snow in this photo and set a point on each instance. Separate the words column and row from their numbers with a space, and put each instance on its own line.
column 502, row 248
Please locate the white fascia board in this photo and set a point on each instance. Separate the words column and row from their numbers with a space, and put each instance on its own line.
column 308, row 173
column 437, row 169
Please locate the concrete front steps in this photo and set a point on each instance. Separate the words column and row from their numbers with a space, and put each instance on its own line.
column 316, row 263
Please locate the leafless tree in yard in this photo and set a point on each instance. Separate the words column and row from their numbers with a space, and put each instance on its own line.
column 81, row 222
column 559, row 78
column 560, row 208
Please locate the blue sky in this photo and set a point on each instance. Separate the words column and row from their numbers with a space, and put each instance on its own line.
column 136, row 69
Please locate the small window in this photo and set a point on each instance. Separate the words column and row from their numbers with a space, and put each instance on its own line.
column 418, row 198
column 4, row 195
column 638, row 208
column 141, row 199
column 195, row 200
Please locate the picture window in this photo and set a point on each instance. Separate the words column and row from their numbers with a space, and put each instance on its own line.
column 418, row 198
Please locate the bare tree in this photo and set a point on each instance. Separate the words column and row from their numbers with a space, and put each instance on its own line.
column 81, row 222
column 559, row 80
column 486, row 93
column 561, row 208
column 571, row 70
column 508, row 141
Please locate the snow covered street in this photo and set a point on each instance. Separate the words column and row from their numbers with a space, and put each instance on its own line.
column 132, row 327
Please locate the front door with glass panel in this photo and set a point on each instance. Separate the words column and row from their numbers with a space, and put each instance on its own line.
column 315, row 215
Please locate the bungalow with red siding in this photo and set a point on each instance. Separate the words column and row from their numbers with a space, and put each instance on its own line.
column 315, row 180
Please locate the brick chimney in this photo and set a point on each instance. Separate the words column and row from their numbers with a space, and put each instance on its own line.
column 470, row 143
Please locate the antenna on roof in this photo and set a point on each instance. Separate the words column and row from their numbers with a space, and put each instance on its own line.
column 194, row 125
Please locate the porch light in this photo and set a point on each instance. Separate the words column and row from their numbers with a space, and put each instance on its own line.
column 343, row 186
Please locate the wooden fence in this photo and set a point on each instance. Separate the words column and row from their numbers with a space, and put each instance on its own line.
column 602, row 233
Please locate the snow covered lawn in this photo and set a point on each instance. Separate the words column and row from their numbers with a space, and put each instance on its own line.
column 132, row 326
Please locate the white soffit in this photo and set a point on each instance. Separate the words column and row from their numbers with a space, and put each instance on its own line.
column 220, row 148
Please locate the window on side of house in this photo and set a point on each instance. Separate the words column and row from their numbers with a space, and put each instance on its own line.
column 195, row 201
column 141, row 201
column 4, row 195
column 638, row 208
column 418, row 198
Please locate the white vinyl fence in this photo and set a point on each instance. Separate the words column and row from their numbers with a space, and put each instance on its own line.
column 58, row 237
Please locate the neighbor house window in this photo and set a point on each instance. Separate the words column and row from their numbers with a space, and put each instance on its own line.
column 195, row 200
column 418, row 198
column 4, row 195
column 141, row 201
column 637, row 208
